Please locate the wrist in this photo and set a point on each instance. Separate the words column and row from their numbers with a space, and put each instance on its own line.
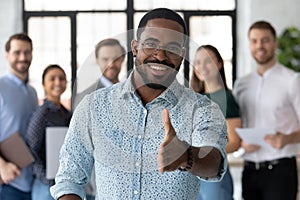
column 188, row 163
column 2, row 162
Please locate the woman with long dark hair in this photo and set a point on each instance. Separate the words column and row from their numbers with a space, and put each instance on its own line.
column 208, row 78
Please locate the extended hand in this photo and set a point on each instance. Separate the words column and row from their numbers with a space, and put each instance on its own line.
column 250, row 148
column 172, row 152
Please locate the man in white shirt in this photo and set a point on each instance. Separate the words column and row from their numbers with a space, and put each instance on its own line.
column 269, row 98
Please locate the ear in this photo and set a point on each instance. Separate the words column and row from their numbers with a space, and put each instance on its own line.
column 183, row 52
column 97, row 62
column 134, row 47
column 122, row 58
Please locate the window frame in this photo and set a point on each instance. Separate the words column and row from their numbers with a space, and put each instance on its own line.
column 130, row 12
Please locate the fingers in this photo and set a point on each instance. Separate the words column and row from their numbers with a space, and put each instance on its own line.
column 169, row 130
column 12, row 173
column 277, row 140
column 167, row 124
column 269, row 137
column 250, row 148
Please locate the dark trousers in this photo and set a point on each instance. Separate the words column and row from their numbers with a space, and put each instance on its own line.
column 10, row 193
column 278, row 181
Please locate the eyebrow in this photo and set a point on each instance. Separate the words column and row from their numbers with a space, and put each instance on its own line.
column 151, row 39
column 156, row 40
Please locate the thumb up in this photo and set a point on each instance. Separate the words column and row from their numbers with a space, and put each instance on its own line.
column 169, row 130
column 172, row 152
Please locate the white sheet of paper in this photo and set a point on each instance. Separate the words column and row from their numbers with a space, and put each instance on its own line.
column 255, row 135
column 55, row 137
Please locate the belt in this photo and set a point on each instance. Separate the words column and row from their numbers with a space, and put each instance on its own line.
column 268, row 164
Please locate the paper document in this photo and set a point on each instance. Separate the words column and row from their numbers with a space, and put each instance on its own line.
column 255, row 135
column 15, row 150
column 55, row 137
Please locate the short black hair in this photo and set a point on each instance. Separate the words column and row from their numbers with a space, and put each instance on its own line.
column 157, row 13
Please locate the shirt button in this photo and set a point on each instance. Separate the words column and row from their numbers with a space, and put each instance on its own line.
column 139, row 136
column 135, row 192
column 145, row 111
column 137, row 164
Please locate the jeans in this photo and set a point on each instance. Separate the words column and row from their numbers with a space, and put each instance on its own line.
column 222, row 190
column 41, row 191
column 10, row 193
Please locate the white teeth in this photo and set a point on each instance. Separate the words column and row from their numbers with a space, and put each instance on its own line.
column 159, row 68
column 57, row 88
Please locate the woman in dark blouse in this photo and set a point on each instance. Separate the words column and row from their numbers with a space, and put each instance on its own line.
column 208, row 78
column 51, row 113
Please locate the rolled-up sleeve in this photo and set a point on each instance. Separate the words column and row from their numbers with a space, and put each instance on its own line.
column 210, row 130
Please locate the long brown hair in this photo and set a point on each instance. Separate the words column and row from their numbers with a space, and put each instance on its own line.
column 196, row 84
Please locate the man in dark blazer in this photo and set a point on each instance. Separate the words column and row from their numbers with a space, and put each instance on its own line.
column 110, row 55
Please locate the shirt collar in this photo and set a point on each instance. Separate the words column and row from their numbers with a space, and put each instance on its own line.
column 270, row 71
column 171, row 94
column 105, row 82
column 15, row 79
column 51, row 105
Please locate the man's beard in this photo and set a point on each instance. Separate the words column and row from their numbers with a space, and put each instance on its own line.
column 265, row 61
column 157, row 86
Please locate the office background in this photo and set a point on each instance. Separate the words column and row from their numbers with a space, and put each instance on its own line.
column 238, row 13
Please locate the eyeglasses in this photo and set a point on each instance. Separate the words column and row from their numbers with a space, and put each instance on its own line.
column 172, row 51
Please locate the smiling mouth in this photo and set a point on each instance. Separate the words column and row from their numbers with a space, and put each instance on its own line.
column 158, row 67
column 57, row 89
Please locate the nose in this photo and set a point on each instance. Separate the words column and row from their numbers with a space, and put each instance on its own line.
column 110, row 63
column 260, row 44
column 160, row 54
column 57, row 81
column 22, row 56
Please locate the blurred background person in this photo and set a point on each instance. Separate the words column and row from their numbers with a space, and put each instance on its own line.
column 109, row 55
column 269, row 98
column 18, row 100
column 208, row 78
column 51, row 114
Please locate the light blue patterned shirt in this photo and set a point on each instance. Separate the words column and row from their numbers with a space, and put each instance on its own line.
column 112, row 129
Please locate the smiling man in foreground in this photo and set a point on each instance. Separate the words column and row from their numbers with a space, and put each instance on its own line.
column 149, row 137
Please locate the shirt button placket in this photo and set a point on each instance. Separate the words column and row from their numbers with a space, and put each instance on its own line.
column 137, row 164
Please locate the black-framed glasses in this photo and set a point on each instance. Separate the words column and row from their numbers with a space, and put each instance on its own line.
column 172, row 51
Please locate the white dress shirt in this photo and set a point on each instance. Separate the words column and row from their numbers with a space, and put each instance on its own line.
column 271, row 100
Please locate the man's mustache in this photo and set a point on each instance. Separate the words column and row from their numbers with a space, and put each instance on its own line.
column 160, row 62
column 23, row 62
